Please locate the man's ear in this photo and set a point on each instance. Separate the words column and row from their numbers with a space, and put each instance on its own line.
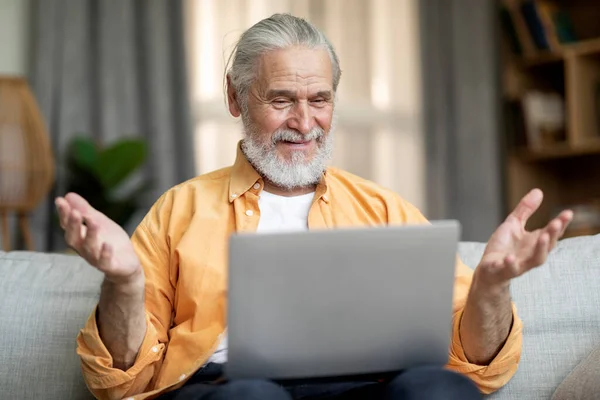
column 232, row 99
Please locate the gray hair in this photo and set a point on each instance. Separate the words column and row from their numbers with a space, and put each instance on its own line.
column 279, row 31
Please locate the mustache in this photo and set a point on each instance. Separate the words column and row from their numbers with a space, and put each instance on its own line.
column 289, row 135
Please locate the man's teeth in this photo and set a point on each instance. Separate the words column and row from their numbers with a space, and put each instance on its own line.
column 296, row 141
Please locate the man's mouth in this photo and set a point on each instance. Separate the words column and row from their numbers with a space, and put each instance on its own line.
column 297, row 144
column 297, row 141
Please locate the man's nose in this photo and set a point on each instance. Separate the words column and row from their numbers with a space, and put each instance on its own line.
column 301, row 118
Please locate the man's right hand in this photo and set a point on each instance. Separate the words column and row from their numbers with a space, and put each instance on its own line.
column 98, row 239
column 101, row 242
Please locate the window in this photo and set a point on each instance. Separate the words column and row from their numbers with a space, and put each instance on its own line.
column 378, row 135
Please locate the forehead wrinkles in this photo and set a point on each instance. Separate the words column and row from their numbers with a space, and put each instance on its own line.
column 281, row 78
column 297, row 77
column 299, row 66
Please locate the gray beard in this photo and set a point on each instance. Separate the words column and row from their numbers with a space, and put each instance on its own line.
column 287, row 174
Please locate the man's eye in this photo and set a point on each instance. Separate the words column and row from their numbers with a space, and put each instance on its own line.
column 280, row 103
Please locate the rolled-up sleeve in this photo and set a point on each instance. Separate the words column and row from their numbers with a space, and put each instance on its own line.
column 103, row 380
column 497, row 373
column 106, row 382
column 501, row 369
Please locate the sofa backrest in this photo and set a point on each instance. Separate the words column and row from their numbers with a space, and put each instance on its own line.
column 559, row 304
column 44, row 301
column 46, row 298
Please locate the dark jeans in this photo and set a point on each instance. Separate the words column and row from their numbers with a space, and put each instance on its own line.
column 423, row 383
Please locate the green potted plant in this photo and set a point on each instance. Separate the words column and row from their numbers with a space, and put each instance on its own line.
column 99, row 174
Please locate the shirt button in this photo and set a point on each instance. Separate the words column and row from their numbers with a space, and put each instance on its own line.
column 182, row 377
column 325, row 197
column 256, row 186
column 249, row 213
column 155, row 349
column 233, row 195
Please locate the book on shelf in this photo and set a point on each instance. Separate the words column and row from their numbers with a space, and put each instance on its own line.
column 535, row 25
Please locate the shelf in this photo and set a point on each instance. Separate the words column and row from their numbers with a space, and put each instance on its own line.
column 563, row 150
column 584, row 47
column 542, row 58
column 567, row 172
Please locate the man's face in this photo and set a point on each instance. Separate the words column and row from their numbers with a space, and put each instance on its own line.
column 289, row 117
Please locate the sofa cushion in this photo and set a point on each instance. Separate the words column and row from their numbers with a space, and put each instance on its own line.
column 559, row 304
column 44, row 302
column 583, row 382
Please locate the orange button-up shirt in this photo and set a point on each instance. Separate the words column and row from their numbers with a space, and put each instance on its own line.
column 182, row 245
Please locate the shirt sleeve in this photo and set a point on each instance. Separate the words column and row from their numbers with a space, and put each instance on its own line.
column 501, row 369
column 102, row 379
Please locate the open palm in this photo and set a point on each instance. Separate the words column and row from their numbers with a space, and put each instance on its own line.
column 98, row 239
column 512, row 250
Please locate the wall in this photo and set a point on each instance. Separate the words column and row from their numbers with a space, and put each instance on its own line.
column 14, row 36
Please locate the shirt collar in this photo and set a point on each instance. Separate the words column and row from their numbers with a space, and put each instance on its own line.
column 244, row 177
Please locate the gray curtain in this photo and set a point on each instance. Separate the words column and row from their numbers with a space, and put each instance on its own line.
column 462, row 113
column 110, row 69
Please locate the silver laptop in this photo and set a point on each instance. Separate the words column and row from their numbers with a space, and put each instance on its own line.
column 334, row 303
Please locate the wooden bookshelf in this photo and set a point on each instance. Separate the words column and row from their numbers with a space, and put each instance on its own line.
column 582, row 48
column 559, row 150
column 566, row 169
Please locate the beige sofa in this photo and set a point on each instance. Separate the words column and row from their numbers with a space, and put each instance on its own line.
column 45, row 299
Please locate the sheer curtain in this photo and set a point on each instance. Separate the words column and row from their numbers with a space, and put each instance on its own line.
column 379, row 134
column 462, row 95
column 109, row 70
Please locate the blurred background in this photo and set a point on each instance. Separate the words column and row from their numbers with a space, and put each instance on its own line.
column 460, row 106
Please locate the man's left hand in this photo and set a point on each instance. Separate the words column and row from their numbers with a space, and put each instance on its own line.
column 511, row 250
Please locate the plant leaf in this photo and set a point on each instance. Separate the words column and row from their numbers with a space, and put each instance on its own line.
column 118, row 161
column 82, row 152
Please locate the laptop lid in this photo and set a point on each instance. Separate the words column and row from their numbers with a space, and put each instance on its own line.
column 340, row 302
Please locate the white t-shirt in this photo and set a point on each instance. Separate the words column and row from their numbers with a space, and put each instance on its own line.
column 277, row 214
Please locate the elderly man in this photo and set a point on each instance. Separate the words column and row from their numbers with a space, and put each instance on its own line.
column 159, row 330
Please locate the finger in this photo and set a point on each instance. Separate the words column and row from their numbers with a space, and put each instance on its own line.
column 79, row 203
column 63, row 209
column 541, row 251
column 104, row 257
column 556, row 228
column 527, row 206
column 92, row 244
column 566, row 217
column 553, row 229
column 73, row 235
